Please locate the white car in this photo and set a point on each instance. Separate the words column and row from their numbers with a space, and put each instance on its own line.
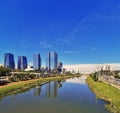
column 3, row 80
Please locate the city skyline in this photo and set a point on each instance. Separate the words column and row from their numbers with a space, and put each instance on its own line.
column 82, row 32
column 22, row 62
column 14, row 63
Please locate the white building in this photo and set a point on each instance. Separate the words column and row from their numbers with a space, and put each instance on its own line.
column 29, row 68
column 90, row 68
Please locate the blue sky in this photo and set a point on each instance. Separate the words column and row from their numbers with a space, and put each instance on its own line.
column 80, row 31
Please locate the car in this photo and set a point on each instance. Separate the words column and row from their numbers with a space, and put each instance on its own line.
column 3, row 80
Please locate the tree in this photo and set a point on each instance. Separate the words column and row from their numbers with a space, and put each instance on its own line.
column 94, row 76
column 4, row 71
column 68, row 73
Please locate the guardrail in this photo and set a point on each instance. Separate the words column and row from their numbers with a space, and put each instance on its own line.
column 111, row 80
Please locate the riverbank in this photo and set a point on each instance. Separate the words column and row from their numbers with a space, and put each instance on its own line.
column 16, row 87
column 106, row 92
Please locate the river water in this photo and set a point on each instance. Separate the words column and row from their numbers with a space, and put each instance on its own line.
column 70, row 96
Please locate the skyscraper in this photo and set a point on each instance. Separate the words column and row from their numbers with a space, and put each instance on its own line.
column 22, row 62
column 60, row 64
column 9, row 61
column 54, row 60
column 60, row 67
column 48, row 61
column 51, row 61
column 37, row 62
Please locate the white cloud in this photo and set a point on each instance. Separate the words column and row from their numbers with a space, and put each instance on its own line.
column 41, row 44
column 45, row 44
column 61, row 41
column 58, row 41
column 67, row 41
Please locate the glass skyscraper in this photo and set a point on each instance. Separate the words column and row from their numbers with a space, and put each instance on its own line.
column 48, row 61
column 37, row 62
column 51, row 61
column 54, row 60
column 9, row 61
column 22, row 62
column 60, row 67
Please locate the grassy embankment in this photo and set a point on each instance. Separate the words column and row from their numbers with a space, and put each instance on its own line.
column 16, row 87
column 106, row 92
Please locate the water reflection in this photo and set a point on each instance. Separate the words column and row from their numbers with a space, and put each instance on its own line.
column 77, row 80
column 59, row 84
column 52, row 89
column 58, row 97
column 37, row 91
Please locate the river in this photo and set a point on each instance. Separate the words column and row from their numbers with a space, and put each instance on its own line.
column 69, row 96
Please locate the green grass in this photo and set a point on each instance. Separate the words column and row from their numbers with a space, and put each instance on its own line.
column 106, row 92
column 21, row 86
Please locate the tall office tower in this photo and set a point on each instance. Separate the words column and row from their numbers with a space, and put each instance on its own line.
column 54, row 60
column 51, row 61
column 22, row 62
column 37, row 62
column 48, row 62
column 60, row 67
column 9, row 61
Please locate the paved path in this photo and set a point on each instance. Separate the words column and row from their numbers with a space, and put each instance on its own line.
column 13, row 83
